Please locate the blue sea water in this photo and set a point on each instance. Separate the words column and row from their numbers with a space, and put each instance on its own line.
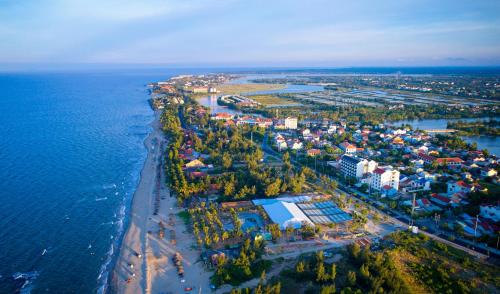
column 71, row 151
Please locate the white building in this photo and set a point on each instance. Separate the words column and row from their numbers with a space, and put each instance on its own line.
column 356, row 167
column 348, row 148
column 286, row 214
column 386, row 176
column 291, row 123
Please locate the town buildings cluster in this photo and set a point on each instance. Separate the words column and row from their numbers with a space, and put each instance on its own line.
column 393, row 163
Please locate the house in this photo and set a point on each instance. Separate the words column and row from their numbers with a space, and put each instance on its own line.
column 397, row 143
column 459, row 187
column 196, row 163
column 426, row 158
column 440, row 200
column 313, row 152
column 295, row 145
column 488, row 172
column 348, row 148
column 388, row 191
column 222, row 116
column 450, row 161
column 414, row 184
column 490, row 212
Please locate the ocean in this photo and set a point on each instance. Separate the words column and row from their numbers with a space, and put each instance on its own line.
column 71, row 151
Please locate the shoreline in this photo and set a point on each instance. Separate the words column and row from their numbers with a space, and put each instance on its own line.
column 134, row 237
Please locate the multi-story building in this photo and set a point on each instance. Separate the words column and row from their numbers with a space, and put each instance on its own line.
column 291, row 123
column 385, row 176
column 356, row 167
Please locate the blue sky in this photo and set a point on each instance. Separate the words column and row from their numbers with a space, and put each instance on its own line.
column 251, row 33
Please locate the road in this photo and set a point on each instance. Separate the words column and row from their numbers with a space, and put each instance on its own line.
column 396, row 217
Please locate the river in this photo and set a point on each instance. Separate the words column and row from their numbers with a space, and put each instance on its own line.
column 210, row 101
column 483, row 142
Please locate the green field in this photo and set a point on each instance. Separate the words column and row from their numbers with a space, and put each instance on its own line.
column 247, row 88
column 271, row 100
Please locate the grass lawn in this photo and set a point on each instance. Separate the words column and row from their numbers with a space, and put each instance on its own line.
column 271, row 100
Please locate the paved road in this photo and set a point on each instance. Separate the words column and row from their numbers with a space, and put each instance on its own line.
column 393, row 216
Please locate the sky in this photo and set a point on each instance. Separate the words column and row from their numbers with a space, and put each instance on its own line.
column 251, row 32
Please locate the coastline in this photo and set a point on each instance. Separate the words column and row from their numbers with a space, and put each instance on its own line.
column 134, row 239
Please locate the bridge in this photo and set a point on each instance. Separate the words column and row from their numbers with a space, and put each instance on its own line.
column 441, row 131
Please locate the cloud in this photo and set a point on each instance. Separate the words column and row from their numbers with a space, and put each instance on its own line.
column 236, row 31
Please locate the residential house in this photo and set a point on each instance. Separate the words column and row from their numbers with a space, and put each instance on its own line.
column 459, row 187
column 313, row 152
column 348, row 148
column 490, row 211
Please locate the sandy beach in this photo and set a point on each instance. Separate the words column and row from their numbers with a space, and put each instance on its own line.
column 154, row 271
column 128, row 263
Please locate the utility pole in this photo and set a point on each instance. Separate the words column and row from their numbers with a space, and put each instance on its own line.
column 437, row 218
column 475, row 227
column 412, row 209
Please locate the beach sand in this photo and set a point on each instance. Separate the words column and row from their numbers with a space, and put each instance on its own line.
column 155, row 271
column 134, row 240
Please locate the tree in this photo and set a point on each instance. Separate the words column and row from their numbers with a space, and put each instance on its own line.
column 328, row 289
column 364, row 271
column 273, row 188
column 263, row 276
column 300, row 267
column 351, row 278
column 275, row 231
column 333, row 272
column 226, row 160
column 289, row 231
column 355, row 250
column 320, row 273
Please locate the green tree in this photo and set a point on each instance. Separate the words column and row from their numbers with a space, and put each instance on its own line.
column 333, row 272
column 351, row 278
column 273, row 188
column 328, row 289
column 320, row 273
column 299, row 268
column 226, row 160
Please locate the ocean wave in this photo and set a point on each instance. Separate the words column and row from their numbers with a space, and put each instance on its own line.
column 27, row 278
column 109, row 186
column 129, row 187
column 101, row 199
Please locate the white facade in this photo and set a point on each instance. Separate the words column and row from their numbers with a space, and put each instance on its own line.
column 385, row 177
column 356, row 167
column 291, row 123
